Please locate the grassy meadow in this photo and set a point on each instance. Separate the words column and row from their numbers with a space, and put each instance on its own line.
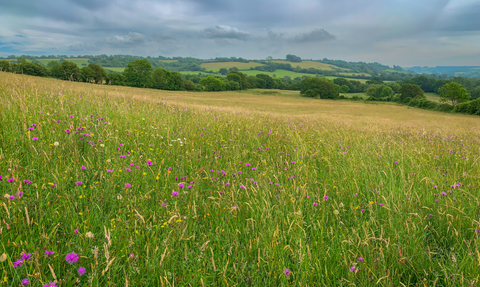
column 216, row 66
column 78, row 61
column 310, row 64
column 118, row 186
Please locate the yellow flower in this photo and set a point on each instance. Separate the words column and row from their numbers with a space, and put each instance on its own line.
column 80, row 213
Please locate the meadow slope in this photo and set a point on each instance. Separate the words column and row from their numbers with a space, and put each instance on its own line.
column 144, row 187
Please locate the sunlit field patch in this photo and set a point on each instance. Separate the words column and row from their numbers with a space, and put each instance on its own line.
column 116, row 186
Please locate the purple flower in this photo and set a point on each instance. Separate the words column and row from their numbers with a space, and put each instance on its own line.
column 34, row 139
column 326, row 197
column 149, row 162
column 315, row 204
column 478, row 231
column 18, row 263
column 27, row 181
column 242, row 187
column 362, row 210
column 174, row 193
column 84, row 167
column 11, row 197
column 51, row 284
column 164, row 204
column 78, row 183
column 71, row 258
column 25, row 282
column 26, row 256
column 75, row 232
column 132, row 255
column 181, row 185
column 360, row 259
column 81, row 271
column 68, row 131
column 287, row 272
column 353, row 269
column 128, row 185
column 48, row 253
column 11, row 179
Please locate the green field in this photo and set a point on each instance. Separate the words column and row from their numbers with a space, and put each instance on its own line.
column 144, row 187
column 311, row 64
column 216, row 66
column 115, row 69
column 78, row 61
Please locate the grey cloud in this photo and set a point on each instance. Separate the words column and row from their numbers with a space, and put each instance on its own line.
column 226, row 32
column 132, row 39
column 162, row 37
column 461, row 19
column 317, row 35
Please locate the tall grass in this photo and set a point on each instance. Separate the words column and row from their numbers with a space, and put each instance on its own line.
column 152, row 193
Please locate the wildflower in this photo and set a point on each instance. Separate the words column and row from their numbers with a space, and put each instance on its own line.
column 11, row 197
column 81, row 271
column 287, row 272
column 25, row 282
column 181, row 185
column 314, row 203
column 78, row 183
column 132, row 255
column 362, row 210
column 84, row 167
column 174, row 193
column 336, row 212
column 27, row 181
column 360, row 259
column 71, row 258
column 49, row 253
column 325, row 197
column 164, row 204
column 89, row 235
column 353, row 269
column 34, row 139
column 51, row 284
column 478, row 231
column 128, row 185
column 242, row 187
column 75, row 232
column 18, row 263
column 149, row 162
column 11, row 179
column 26, row 256
column 56, row 143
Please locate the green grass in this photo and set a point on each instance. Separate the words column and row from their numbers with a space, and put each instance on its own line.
column 216, row 66
column 78, row 61
column 432, row 97
column 322, row 184
column 115, row 69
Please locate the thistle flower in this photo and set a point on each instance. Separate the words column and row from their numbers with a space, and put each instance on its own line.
column 174, row 193
column 287, row 271
column 25, row 282
column 71, row 258
column 49, row 253
column 26, row 256
column 81, row 271
column 128, row 185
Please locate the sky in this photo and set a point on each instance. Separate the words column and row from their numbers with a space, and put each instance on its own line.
column 393, row 32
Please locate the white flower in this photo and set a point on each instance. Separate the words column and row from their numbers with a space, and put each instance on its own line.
column 89, row 235
column 56, row 143
column 102, row 145
column 336, row 212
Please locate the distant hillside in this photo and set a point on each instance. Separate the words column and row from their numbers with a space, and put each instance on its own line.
column 463, row 71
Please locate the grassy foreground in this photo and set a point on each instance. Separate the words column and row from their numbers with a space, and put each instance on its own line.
column 132, row 187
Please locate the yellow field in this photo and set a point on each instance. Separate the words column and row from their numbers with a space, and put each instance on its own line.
column 284, row 103
column 310, row 64
column 216, row 66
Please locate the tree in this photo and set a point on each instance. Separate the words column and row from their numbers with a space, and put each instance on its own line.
column 162, row 79
column 251, row 82
column 99, row 74
column 238, row 77
column 117, row 79
column 177, row 82
column 411, row 91
column 138, row 73
column 87, row 74
column 454, row 93
column 66, row 71
column 269, row 82
column 223, row 71
column 319, row 88
column 375, row 81
column 475, row 93
column 21, row 60
column 212, row 84
column 344, row 89
column 33, row 69
column 269, row 58
column 293, row 58
column 52, row 64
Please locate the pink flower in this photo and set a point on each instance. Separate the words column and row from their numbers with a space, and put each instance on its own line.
column 315, row 204
column 287, row 272
column 128, row 185
column 174, row 193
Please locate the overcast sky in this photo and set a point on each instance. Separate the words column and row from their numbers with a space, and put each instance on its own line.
column 400, row 32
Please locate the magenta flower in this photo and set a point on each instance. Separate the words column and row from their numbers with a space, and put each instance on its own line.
column 326, row 197
column 51, row 284
column 11, row 197
column 314, row 204
column 11, row 179
column 18, row 263
column 78, row 183
column 132, row 255
column 81, row 271
column 75, row 232
column 164, row 204
column 242, row 187
column 362, row 210
column 181, row 185
column 84, row 167
column 360, row 259
column 49, row 253
column 34, row 139
column 353, row 269
column 26, row 256
column 27, row 181
column 478, row 231
column 25, row 282
column 149, row 162
column 71, row 258
column 128, row 185
column 68, row 131
column 287, row 272
column 174, row 193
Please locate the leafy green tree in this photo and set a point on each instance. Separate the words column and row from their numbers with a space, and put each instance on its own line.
column 223, row 71
column 293, row 58
column 375, row 81
column 177, row 81
column 269, row 82
column 162, row 79
column 32, row 69
column 344, row 89
column 475, row 93
column 232, row 85
column 233, row 69
column 411, row 91
column 116, row 79
column 189, row 85
column 212, row 84
column 251, row 82
column 238, row 77
column 21, row 60
column 6, row 66
column 87, row 74
column 319, row 88
column 138, row 73
column 66, row 71
column 99, row 74
column 52, row 64
column 454, row 93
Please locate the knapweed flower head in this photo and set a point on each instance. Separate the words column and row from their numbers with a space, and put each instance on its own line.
column 325, row 197
column 25, row 282
column 360, row 259
column 81, row 271
column 26, row 256
column 314, row 203
column 174, row 193
column 78, row 183
column 478, row 231
column 49, row 253
column 51, row 284
column 11, row 179
column 18, row 263
column 128, row 185
column 353, row 269
column 34, row 139
column 75, row 232
column 181, row 185
column 287, row 271
column 84, row 167
column 71, row 258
